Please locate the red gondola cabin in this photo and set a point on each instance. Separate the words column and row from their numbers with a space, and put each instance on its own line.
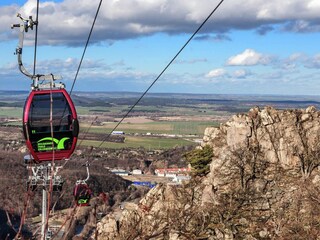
column 82, row 194
column 46, row 143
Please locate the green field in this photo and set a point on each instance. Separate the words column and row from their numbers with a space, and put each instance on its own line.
column 194, row 127
column 121, row 110
column 11, row 112
column 135, row 132
column 165, row 127
column 146, row 142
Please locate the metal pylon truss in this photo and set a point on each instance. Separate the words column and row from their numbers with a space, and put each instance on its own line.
column 43, row 175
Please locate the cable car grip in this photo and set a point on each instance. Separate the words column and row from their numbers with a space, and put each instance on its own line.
column 24, row 27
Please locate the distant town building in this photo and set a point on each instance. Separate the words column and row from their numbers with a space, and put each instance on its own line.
column 136, row 172
column 120, row 172
column 172, row 172
column 198, row 140
column 117, row 133
column 181, row 179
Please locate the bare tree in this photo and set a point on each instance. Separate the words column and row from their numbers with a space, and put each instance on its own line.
column 308, row 152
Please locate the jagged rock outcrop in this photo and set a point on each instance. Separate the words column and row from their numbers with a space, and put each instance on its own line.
column 155, row 215
column 284, row 137
column 263, row 183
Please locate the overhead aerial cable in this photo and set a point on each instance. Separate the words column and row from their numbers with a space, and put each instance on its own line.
column 50, row 125
column 86, row 46
column 36, row 40
column 28, row 23
column 80, row 64
column 161, row 73
column 30, row 187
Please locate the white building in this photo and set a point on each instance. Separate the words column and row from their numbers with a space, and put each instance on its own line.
column 136, row 172
column 117, row 133
column 181, row 179
column 172, row 172
column 120, row 172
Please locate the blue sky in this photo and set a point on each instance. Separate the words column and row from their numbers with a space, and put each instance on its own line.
column 247, row 47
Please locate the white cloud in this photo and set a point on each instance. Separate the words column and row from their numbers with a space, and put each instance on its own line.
column 68, row 22
column 248, row 58
column 293, row 61
column 296, row 57
column 216, row 73
column 313, row 62
column 241, row 73
column 191, row 61
column 301, row 26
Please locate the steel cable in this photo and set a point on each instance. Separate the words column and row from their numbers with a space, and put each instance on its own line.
column 86, row 46
column 36, row 41
column 161, row 73
column 151, row 85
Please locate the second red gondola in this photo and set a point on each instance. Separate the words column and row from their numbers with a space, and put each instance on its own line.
column 82, row 194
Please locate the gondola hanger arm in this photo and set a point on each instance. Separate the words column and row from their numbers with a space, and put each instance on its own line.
column 84, row 181
column 29, row 23
column 24, row 27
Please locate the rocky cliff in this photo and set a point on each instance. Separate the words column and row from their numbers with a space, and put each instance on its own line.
column 263, row 183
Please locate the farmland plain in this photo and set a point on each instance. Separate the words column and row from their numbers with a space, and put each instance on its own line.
column 158, row 121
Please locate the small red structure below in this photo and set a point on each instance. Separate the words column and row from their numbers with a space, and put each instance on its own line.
column 82, row 194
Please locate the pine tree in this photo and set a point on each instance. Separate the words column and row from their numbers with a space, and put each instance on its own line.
column 199, row 160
